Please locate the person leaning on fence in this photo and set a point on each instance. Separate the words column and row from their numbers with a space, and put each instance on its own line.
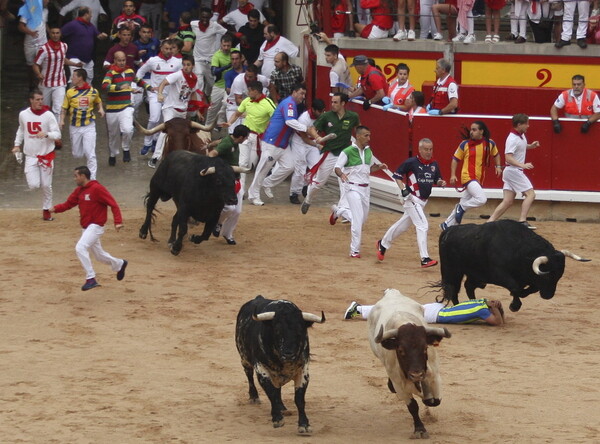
column 577, row 103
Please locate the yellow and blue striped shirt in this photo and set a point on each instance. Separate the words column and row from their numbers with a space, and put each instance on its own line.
column 81, row 103
column 465, row 312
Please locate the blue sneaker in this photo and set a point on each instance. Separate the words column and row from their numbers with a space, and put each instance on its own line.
column 89, row 284
column 444, row 226
column 459, row 213
column 145, row 149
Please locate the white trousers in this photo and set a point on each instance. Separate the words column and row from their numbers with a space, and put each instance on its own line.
column 216, row 110
column 167, row 114
column 90, row 241
column 39, row 176
column 305, row 156
column 521, row 7
column 230, row 216
column 83, row 144
column 413, row 215
column 473, row 197
column 205, row 78
column 583, row 7
column 248, row 155
column 426, row 21
column 155, row 116
column 229, row 111
column 89, row 70
column 271, row 154
column 321, row 177
column 54, row 97
column 120, row 130
column 354, row 206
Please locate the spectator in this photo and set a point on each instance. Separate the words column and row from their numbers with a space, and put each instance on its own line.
column 33, row 25
column 578, row 103
column 583, row 8
column 340, row 17
column 96, row 10
column 400, row 89
column 402, row 34
column 151, row 10
column 173, row 10
column 426, row 20
column 80, row 35
column 239, row 17
column 284, row 77
column 466, row 23
column 186, row 34
column 126, row 46
column 274, row 43
column 520, row 12
column 449, row 8
column 445, row 91
column 339, row 76
column 493, row 10
column 382, row 19
column 251, row 37
column 371, row 83
column 129, row 20
column 220, row 64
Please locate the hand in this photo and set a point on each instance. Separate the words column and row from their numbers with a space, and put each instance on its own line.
column 16, row 149
column 101, row 112
column 586, row 126
column 406, row 191
column 79, row 64
column 434, row 112
column 528, row 166
column 534, row 144
column 386, row 100
column 388, row 106
column 102, row 36
column 225, row 125
column 366, row 105
column 41, row 135
column 142, row 52
column 441, row 183
column 52, row 210
column 161, row 97
column 453, row 180
column 118, row 226
column 556, row 126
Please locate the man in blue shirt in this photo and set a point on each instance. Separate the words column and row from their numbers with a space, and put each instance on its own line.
column 275, row 142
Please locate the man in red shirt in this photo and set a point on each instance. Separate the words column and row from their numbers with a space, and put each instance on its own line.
column 93, row 200
column 371, row 83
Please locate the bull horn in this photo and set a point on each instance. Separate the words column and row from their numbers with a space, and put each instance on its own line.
column 202, row 127
column 309, row 317
column 536, row 265
column 239, row 169
column 574, row 256
column 207, row 171
column 381, row 336
column 266, row 316
column 439, row 331
column 149, row 132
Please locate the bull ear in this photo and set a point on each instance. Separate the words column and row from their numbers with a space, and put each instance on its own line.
column 436, row 334
column 390, row 344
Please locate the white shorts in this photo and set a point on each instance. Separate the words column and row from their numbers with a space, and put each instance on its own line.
column 515, row 180
column 378, row 33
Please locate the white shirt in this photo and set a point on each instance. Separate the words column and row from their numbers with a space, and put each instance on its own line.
column 179, row 93
column 239, row 87
column 238, row 19
column 560, row 101
column 517, row 146
column 431, row 312
column 452, row 88
column 207, row 42
column 29, row 125
column 159, row 68
column 307, row 121
column 258, row 4
column 41, row 39
column 357, row 174
column 268, row 56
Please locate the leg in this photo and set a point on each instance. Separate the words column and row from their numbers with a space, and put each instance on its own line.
column 507, row 201
column 583, row 8
column 420, row 431
column 252, row 392
column 268, row 157
column 46, row 185
column 179, row 220
column 527, row 202
column 216, row 102
column 154, row 118
column 285, row 167
column 114, row 133
column 396, row 230
column 568, row 17
column 274, row 395
column 300, row 386
column 126, row 127
column 102, row 256
column 89, row 147
column 89, row 237
column 230, row 216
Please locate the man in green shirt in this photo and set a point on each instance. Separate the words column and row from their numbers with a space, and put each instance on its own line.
column 185, row 34
column 220, row 64
column 340, row 122
column 259, row 109
column 229, row 150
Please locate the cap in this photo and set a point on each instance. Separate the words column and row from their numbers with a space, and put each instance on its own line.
column 360, row 60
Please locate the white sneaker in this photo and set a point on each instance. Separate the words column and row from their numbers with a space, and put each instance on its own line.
column 257, row 202
column 469, row 39
column 268, row 192
column 438, row 36
column 411, row 35
column 400, row 35
column 459, row 38
column 595, row 12
column 488, row 38
column 496, row 38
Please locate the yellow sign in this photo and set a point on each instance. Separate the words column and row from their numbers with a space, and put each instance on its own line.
column 527, row 74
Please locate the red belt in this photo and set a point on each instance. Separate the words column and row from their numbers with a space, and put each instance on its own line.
column 359, row 184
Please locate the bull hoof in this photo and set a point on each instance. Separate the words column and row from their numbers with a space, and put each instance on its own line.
column 280, row 423
column 143, row 235
column 254, row 401
column 514, row 307
column 432, row 402
column 420, row 434
column 196, row 238
column 175, row 251
column 304, row 430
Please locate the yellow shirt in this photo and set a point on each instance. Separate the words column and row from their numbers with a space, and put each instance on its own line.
column 81, row 102
column 475, row 157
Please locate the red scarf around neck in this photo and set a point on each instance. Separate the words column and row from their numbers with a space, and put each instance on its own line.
column 191, row 79
column 82, row 20
column 116, row 69
column 55, row 46
column 203, row 27
column 272, row 43
column 516, row 133
column 162, row 56
column 262, row 96
column 41, row 111
column 183, row 27
column 423, row 161
column 246, row 9
column 86, row 85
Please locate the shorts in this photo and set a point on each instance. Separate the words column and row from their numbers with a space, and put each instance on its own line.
column 515, row 180
column 495, row 5
column 372, row 31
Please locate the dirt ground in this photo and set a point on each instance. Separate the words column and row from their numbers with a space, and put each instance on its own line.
column 153, row 359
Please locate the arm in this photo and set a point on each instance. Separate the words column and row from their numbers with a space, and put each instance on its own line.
column 98, row 102
column 450, row 107
column 37, row 71
column 161, row 97
column 510, row 159
column 453, row 166
column 378, row 166
column 380, row 94
column 294, row 124
column 18, row 138
column 497, row 316
column 236, row 115
column 498, row 165
column 357, row 92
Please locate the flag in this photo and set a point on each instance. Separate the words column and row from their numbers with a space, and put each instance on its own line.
column 33, row 12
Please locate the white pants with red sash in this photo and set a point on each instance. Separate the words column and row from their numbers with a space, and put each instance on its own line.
column 40, row 176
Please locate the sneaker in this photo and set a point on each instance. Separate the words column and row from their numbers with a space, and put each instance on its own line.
column 488, row 38
column 294, row 199
column 520, row 40
column 333, row 217
column 510, row 38
column 562, row 43
column 217, row 230
column 582, row 43
column 126, row 156
column 355, row 255
column 304, row 208
column 380, row 251
column 145, row 149
column 47, row 216
column 438, row 36
column 400, row 35
column 230, row 240
column 257, row 202
column 152, row 163
column 411, row 35
column 121, row 272
column 268, row 192
column 89, row 284
column 459, row 38
column 352, row 311
column 427, row 262
column 496, row 38
column 444, row 226
column 112, row 161
column 469, row 39
column 528, row 225
column 459, row 213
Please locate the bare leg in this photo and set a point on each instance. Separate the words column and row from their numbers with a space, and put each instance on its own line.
column 507, row 201
column 527, row 202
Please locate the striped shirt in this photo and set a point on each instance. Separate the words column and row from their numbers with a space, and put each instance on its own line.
column 52, row 63
column 475, row 156
column 81, row 102
column 118, row 99
column 464, row 313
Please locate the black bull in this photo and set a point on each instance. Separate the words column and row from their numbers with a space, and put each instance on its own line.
column 200, row 186
column 272, row 339
column 504, row 253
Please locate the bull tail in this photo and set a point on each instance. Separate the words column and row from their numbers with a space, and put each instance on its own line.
column 151, row 212
column 444, row 295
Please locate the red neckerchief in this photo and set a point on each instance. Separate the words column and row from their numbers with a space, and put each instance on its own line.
column 116, row 69
column 311, row 114
column 86, row 85
column 486, row 149
column 246, row 9
column 272, row 43
column 46, row 160
column 41, row 111
column 82, row 20
column 178, row 56
column 516, row 133
column 202, row 27
column 423, row 161
column 54, row 45
column 184, row 27
column 162, row 56
column 262, row 96
column 191, row 79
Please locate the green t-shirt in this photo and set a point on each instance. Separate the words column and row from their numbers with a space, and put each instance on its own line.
column 229, row 151
column 187, row 35
column 329, row 122
column 219, row 60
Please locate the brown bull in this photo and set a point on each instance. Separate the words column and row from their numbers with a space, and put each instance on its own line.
column 182, row 134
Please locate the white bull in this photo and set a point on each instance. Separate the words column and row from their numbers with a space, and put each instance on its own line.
column 400, row 338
